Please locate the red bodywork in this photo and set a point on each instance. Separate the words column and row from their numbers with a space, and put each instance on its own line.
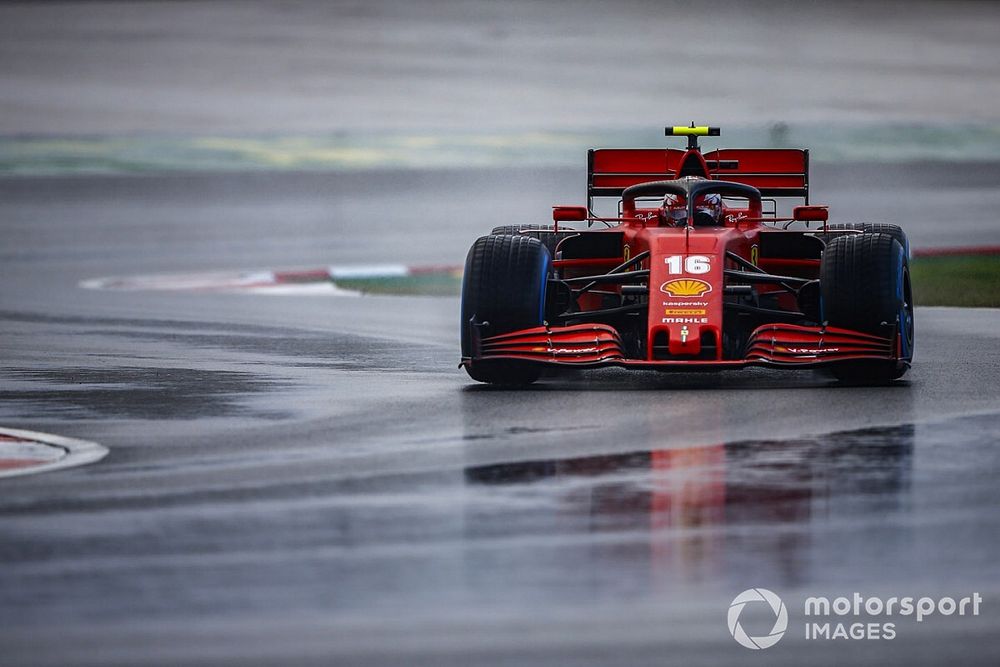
column 689, row 296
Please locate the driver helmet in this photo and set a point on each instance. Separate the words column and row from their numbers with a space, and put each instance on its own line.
column 708, row 210
column 673, row 211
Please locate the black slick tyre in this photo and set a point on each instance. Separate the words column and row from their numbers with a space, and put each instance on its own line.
column 503, row 290
column 895, row 231
column 543, row 233
column 865, row 286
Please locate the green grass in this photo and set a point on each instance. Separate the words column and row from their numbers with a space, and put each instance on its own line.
column 962, row 280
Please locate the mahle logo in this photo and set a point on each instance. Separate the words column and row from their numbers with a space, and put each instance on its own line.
column 780, row 618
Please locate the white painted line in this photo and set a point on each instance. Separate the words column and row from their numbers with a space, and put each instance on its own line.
column 17, row 453
column 76, row 452
column 312, row 281
column 372, row 271
column 303, row 289
column 184, row 281
column 95, row 283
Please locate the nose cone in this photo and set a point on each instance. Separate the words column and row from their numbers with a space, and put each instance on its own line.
column 685, row 301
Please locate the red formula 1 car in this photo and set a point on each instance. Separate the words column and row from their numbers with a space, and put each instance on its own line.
column 695, row 271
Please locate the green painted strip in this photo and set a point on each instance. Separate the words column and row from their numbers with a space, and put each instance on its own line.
column 432, row 284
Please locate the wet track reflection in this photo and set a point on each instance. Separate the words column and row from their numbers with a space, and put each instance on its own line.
column 674, row 517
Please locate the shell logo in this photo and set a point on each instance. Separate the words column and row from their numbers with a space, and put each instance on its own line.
column 686, row 287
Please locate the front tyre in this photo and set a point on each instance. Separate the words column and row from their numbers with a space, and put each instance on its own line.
column 543, row 233
column 895, row 231
column 503, row 290
column 865, row 286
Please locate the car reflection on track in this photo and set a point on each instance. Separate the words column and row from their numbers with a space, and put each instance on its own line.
column 703, row 512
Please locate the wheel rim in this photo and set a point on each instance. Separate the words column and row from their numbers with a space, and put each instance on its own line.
column 906, row 314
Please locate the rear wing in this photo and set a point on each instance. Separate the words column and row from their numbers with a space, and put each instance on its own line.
column 776, row 172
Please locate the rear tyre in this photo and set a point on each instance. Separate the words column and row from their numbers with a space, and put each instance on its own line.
column 895, row 231
column 504, row 288
column 543, row 233
column 865, row 286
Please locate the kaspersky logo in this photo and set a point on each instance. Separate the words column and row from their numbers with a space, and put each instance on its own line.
column 756, row 596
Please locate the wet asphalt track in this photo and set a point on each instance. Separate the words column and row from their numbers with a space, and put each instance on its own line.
column 298, row 480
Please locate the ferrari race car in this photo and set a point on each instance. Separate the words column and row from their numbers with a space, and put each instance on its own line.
column 695, row 270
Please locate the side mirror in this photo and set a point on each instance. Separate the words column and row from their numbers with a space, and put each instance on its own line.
column 569, row 213
column 811, row 213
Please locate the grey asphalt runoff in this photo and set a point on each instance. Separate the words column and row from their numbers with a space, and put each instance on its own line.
column 311, row 480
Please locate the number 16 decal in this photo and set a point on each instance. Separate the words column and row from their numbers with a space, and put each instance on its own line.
column 691, row 264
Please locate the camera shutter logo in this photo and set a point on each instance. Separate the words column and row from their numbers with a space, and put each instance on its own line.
column 780, row 618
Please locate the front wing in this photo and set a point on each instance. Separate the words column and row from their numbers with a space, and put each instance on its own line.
column 774, row 345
